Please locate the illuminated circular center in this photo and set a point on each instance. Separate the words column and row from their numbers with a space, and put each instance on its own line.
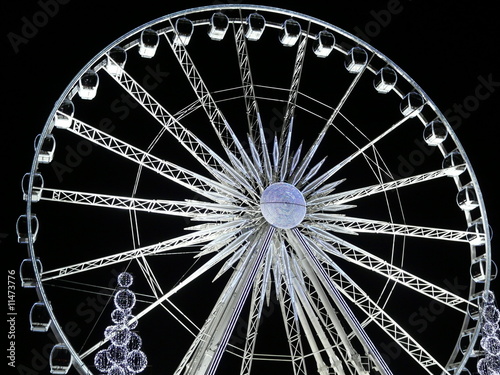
column 283, row 205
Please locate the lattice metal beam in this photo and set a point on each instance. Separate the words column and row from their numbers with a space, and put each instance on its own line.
column 222, row 129
column 356, row 295
column 185, row 241
column 193, row 181
column 360, row 225
column 194, row 145
column 191, row 209
column 350, row 195
column 343, row 249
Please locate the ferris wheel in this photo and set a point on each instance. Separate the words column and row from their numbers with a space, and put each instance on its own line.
column 285, row 196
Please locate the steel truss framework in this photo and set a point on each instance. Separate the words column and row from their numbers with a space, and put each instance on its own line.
column 331, row 321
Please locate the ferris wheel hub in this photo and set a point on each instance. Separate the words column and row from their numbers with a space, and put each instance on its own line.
column 283, row 205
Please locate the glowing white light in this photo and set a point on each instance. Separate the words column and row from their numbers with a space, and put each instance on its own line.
column 117, row 354
column 491, row 314
column 135, row 342
column 488, row 297
column 101, row 361
column 118, row 316
column 109, row 331
column 489, row 365
column 123, row 356
column 489, row 329
column 493, row 363
column 124, row 299
column 125, row 279
column 490, row 342
column 283, row 205
column 120, row 336
column 116, row 370
column 136, row 361
column 482, row 367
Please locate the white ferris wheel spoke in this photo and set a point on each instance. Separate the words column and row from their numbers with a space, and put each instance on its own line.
column 193, row 181
column 234, row 230
column 306, row 313
column 256, row 130
column 157, row 291
column 285, row 293
column 297, row 176
column 304, row 308
column 312, row 265
column 178, row 287
column 358, row 152
column 206, row 350
column 223, row 130
column 149, row 276
column 257, row 300
column 193, row 144
column 208, row 265
column 189, row 208
column 343, row 283
column 210, row 233
column 251, row 104
column 284, row 142
column 324, row 313
column 345, row 250
column 360, row 225
column 350, row 195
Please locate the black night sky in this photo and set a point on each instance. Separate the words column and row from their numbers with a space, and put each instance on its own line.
column 450, row 48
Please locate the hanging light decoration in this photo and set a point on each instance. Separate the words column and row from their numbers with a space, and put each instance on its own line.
column 118, row 316
column 117, row 354
column 135, row 342
column 131, row 324
column 125, row 279
column 102, row 362
column 490, row 340
column 125, row 299
column 136, row 361
column 120, row 335
column 124, row 355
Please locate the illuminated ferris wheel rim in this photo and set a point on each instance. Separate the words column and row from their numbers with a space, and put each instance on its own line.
column 71, row 88
column 95, row 64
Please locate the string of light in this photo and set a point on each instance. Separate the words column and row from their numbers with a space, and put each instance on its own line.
column 490, row 336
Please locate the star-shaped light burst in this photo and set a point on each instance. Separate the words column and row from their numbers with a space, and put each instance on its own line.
column 124, row 355
column 277, row 191
column 281, row 223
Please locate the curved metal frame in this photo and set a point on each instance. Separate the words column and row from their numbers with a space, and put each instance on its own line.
column 308, row 247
